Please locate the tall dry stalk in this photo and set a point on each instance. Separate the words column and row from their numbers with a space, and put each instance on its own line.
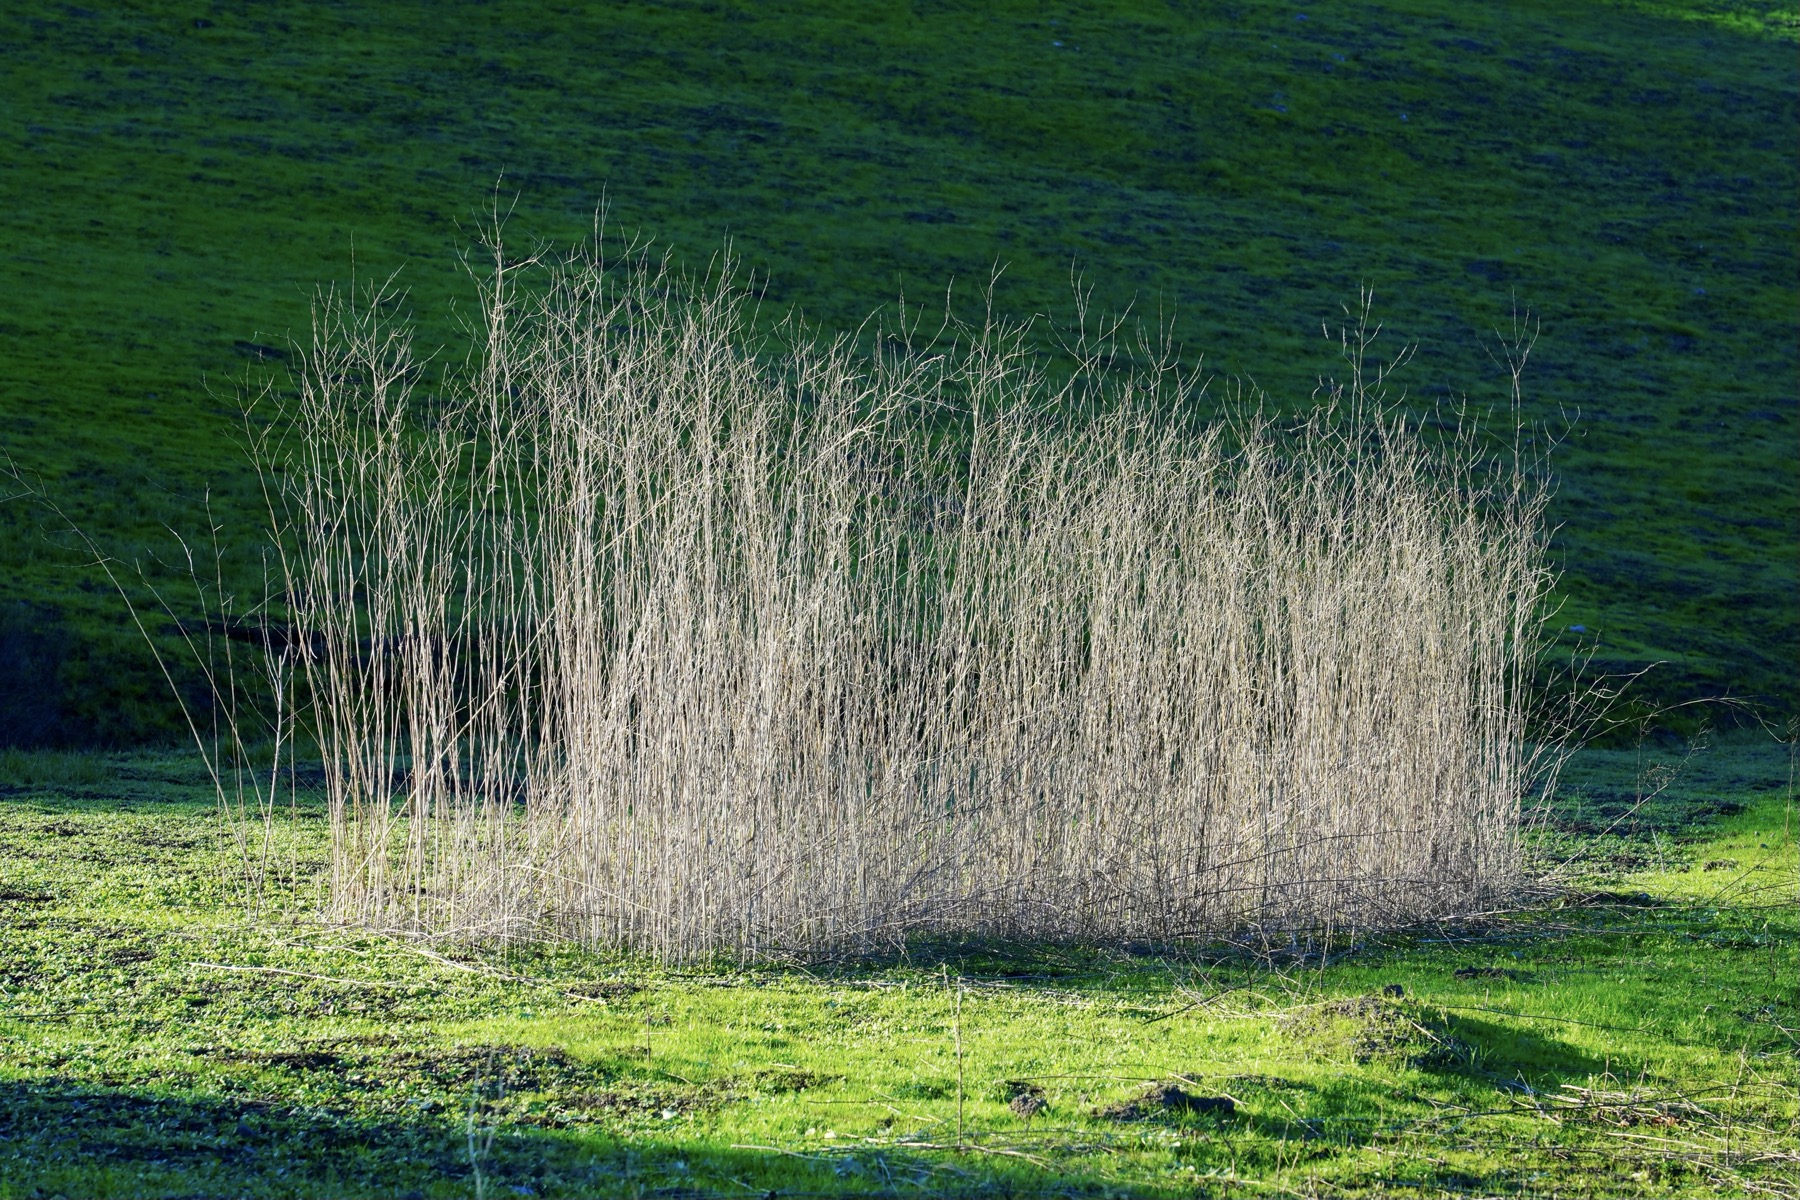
column 647, row 632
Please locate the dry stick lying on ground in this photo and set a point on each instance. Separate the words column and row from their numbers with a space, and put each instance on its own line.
column 368, row 983
column 492, row 973
column 473, row 969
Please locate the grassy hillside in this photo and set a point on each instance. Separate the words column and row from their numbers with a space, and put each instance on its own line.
column 177, row 178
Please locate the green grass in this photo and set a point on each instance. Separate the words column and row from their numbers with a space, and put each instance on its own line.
column 1633, row 1034
column 178, row 178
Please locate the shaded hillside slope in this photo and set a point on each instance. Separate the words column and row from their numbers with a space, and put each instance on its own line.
column 177, row 178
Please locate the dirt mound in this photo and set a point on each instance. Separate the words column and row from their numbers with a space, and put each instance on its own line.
column 1167, row 1099
column 1377, row 1027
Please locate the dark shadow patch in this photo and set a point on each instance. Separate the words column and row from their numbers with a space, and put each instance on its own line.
column 781, row 1081
column 223, row 1145
column 295, row 1060
column 634, row 1103
column 1507, row 973
column 1513, row 1058
column 34, row 642
column 259, row 352
column 1613, row 900
column 139, row 1142
column 1489, row 269
column 1168, row 1100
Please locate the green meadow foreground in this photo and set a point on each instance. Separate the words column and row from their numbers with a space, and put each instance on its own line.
column 1631, row 1030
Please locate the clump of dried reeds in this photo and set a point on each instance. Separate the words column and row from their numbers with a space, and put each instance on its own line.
column 647, row 632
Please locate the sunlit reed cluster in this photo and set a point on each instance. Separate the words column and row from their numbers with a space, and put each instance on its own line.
column 648, row 630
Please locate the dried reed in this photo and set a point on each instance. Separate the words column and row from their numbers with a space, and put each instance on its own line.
column 646, row 632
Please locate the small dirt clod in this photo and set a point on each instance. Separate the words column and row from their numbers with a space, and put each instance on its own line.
column 1167, row 1098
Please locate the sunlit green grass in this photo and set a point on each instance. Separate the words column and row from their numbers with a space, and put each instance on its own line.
column 178, row 179
column 1629, row 1034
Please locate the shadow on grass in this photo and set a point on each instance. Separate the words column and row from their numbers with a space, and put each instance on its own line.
column 1473, row 1067
column 64, row 1138
column 1516, row 1058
